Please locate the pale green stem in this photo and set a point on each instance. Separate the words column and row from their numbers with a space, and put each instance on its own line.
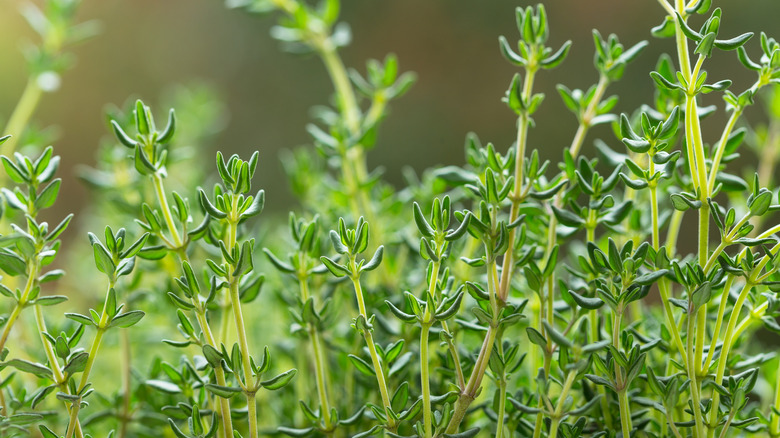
column 166, row 211
column 219, row 374
column 380, row 374
column 722, row 147
column 508, row 264
column 558, row 414
column 319, row 360
column 51, row 356
column 588, row 115
column 774, row 428
column 243, row 343
column 674, row 232
column 425, row 381
column 21, row 115
column 622, row 389
column 667, row 7
column 724, row 299
column 731, row 334
column 467, row 396
column 692, row 375
column 126, row 384
column 93, row 351
column 724, row 353
column 501, row 407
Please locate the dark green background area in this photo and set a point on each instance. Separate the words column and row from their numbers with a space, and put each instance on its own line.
column 146, row 46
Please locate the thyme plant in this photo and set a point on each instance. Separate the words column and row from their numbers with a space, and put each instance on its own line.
column 510, row 296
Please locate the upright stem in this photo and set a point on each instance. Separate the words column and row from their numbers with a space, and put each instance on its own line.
column 243, row 344
column 200, row 311
column 51, row 356
column 93, row 351
column 319, row 360
column 722, row 147
column 590, row 113
column 622, row 384
column 425, row 381
column 693, row 376
column 23, row 299
column 24, row 110
column 508, row 264
column 126, row 384
column 380, row 374
column 774, row 427
column 166, row 210
column 557, row 415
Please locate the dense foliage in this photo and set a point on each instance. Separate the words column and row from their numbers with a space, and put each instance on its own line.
column 510, row 296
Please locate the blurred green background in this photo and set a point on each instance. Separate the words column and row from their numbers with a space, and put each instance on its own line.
column 147, row 46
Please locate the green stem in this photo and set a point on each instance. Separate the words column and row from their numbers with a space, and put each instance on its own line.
column 588, row 115
column 724, row 353
column 774, row 427
column 670, row 420
column 200, row 311
column 20, row 304
column 51, row 356
column 219, row 373
column 93, row 351
column 475, row 381
column 724, row 299
column 159, row 188
column 455, row 358
column 508, row 264
column 380, row 374
column 21, row 115
column 425, row 381
column 319, row 360
column 126, row 384
column 693, row 376
column 558, row 414
column 501, row 407
column 722, row 146
column 622, row 390
column 674, row 232
column 625, row 413
column 243, row 343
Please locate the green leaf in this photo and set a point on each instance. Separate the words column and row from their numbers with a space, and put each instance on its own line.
column 375, row 260
column 361, row 365
column 466, row 434
column 16, row 174
column 336, row 269
column 162, row 385
column 28, row 367
column 734, row 43
column 208, row 207
column 536, row 337
column 280, row 380
column 556, row 58
column 586, row 302
column 422, row 224
column 167, row 134
column 48, row 195
column 127, row 319
column 568, row 218
column 556, row 336
column 122, row 136
column 11, row 263
column 103, row 259
column 222, row 391
column 79, row 318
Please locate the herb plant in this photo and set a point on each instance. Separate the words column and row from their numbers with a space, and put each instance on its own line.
column 510, row 296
